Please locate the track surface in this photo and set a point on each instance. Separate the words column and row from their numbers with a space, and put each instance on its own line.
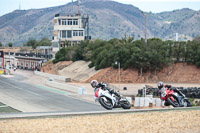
column 29, row 98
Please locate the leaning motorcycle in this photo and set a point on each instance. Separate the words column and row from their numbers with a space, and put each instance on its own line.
column 173, row 98
column 110, row 100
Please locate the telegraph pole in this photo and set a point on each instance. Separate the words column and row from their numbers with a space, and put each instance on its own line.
column 146, row 29
column 145, row 35
column 72, row 7
column 79, row 12
column 3, row 59
column 118, row 71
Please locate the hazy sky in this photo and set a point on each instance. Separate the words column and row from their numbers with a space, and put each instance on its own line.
column 154, row 6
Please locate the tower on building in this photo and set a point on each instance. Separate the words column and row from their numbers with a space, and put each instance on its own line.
column 176, row 36
column 19, row 6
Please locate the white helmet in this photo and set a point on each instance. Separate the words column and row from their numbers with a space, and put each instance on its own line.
column 94, row 83
column 160, row 84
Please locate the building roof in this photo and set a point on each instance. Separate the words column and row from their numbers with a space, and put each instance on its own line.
column 43, row 47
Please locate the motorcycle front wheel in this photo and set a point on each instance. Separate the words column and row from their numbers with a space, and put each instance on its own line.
column 106, row 103
column 173, row 102
column 189, row 104
column 125, row 104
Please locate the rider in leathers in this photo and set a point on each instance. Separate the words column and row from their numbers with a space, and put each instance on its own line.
column 96, row 85
column 161, row 87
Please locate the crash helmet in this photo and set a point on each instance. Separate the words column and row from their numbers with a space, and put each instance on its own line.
column 94, row 83
column 160, row 85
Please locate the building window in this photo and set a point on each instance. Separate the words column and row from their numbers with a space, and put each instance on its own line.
column 69, row 21
column 63, row 33
column 75, row 33
column 80, row 32
column 64, row 22
column 75, row 22
column 69, row 34
column 59, row 21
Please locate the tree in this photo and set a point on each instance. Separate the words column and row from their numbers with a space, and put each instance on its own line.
column 138, row 57
column 64, row 54
column 66, row 43
column 10, row 44
column 44, row 42
column 32, row 43
column 132, row 53
column 1, row 44
column 126, row 39
column 170, row 49
column 197, row 63
column 158, row 53
column 78, row 53
column 192, row 51
column 179, row 50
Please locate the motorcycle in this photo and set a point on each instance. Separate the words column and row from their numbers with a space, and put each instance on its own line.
column 175, row 99
column 109, row 100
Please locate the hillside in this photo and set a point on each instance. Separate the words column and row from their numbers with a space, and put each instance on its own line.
column 79, row 71
column 118, row 19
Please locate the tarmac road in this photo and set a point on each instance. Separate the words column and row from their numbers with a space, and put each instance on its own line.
column 29, row 98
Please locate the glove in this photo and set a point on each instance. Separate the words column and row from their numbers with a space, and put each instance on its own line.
column 168, row 86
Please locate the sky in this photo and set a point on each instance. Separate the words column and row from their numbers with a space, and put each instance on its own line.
column 155, row 6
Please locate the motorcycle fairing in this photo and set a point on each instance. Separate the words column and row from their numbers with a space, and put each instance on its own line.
column 97, row 93
column 108, row 95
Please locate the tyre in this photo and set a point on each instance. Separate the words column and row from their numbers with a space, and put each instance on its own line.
column 173, row 103
column 107, row 104
column 189, row 104
column 125, row 104
column 166, row 103
column 192, row 95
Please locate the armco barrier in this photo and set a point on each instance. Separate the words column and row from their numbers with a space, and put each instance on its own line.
column 62, row 86
column 61, row 78
column 82, row 90
column 145, row 101
column 129, row 99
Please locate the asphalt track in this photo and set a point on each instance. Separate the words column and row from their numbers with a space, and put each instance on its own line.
column 28, row 98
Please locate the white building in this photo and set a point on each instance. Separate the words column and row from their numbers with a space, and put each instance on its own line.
column 69, row 30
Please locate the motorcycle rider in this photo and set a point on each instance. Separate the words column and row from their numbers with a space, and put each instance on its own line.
column 162, row 87
column 96, row 85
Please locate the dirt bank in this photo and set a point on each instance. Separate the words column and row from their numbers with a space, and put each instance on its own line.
column 164, row 122
column 79, row 71
column 177, row 73
column 54, row 68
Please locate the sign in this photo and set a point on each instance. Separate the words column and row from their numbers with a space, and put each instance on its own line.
column 1, row 54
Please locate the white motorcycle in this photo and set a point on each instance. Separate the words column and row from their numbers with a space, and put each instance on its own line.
column 110, row 99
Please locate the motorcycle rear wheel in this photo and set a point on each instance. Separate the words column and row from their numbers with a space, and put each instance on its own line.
column 106, row 104
column 173, row 103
